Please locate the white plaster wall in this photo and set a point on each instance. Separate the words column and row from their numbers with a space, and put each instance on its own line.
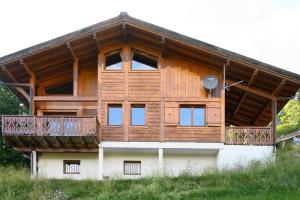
column 50, row 165
column 196, row 164
column 114, row 163
column 235, row 156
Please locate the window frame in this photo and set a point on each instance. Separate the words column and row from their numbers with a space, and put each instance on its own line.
column 132, row 162
column 192, row 107
column 146, row 55
column 122, row 115
column 109, row 53
column 65, row 162
column 145, row 114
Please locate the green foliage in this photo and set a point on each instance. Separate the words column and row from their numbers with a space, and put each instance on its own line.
column 290, row 114
column 287, row 128
column 280, row 181
column 289, row 117
column 10, row 105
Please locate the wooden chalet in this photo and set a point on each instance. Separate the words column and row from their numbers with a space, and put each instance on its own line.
column 73, row 83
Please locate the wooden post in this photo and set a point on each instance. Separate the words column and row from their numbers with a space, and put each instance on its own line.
column 223, row 105
column 126, row 106
column 75, row 78
column 32, row 93
column 274, row 113
column 99, row 92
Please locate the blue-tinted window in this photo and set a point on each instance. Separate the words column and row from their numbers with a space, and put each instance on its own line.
column 185, row 117
column 192, row 116
column 141, row 61
column 198, row 117
column 138, row 115
column 115, row 115
column 113, row 61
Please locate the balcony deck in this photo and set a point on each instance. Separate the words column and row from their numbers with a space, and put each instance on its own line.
column 51, row 133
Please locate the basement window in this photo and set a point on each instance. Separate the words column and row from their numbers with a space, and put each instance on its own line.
column 191, row 115
column 132, row 167
column 113, row 60
column 142, row 61
column 71, row 166
column 115, row 115
column 138, row 115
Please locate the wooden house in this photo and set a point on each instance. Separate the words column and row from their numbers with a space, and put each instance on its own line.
column 125, row 98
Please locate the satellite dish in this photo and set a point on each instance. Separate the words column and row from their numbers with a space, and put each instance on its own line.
column 210, row 82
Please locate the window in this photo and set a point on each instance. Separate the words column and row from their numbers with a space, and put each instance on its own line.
column 115, row 115
column 113, row 61
column 141, row 61
column 71, row 166
column 132, row 167
column 138, row 115
column 192, row 116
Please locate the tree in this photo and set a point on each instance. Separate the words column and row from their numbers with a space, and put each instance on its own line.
column 10, row 105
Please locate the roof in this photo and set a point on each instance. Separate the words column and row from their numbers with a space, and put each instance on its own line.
column 125, row 18
column 243, row 107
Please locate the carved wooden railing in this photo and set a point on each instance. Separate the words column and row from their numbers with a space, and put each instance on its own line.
column 248, row 135
column 49, row 126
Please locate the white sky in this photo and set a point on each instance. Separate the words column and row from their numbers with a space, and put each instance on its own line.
column 267, row 30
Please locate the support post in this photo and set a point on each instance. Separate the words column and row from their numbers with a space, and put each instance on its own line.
column 274, row 113
column 75, row 78
column 33, row 164
column 100, row 162
column 161, row 161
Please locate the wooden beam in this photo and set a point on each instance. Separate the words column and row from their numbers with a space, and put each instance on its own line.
column 97, row 43
column 75, row 78
column 163, row 46
column 124, row 33
column 72, row 53
column 250, row 82
column 252, row 78
column 261, row 113
column 14, row 80
column 77, row 149
column 252, row 90
column 274, row 93
column 279, row 87
column 274, row 113
column 26, row 67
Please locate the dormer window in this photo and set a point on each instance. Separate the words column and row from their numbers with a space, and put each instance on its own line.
column 113, row 60
column 142, row 61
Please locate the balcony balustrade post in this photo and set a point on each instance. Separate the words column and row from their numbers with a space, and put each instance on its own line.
column 34, row 125
column 62, row 126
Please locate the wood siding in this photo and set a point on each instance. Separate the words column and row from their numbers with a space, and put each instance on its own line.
column 177, row 82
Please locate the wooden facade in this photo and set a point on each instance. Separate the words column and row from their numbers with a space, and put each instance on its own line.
column 67, row 77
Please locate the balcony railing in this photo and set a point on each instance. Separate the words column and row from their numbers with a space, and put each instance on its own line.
column 49, row 126
column 248, row 135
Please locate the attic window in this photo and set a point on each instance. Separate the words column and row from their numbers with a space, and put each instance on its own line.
column 113, row 61
column 142, row 61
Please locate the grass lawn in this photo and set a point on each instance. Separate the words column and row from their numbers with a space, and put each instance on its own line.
column 274, row 181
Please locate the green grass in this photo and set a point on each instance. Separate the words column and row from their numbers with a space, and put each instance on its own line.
column 274, row 181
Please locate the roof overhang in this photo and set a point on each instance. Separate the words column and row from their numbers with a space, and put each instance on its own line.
column 248, row 103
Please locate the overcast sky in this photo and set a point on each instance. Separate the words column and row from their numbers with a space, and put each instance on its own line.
column 267, row 30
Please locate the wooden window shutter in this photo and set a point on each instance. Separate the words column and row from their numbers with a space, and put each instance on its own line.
column 213, row 114
column 171, row 113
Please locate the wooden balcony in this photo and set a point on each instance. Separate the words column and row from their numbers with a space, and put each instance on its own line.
column 53, row 133
column 243, row 135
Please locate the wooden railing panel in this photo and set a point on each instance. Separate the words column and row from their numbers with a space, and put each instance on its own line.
column 248, row 135
column 49, row 126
